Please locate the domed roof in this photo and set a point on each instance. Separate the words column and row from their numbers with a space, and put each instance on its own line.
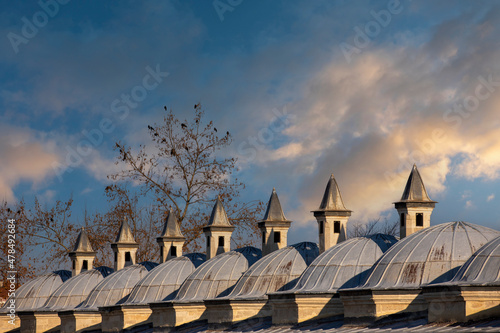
column 278, row 270
column 217, row 276
column 344, row 265
column 116, row 286
column 431, row 255
column 76, row 289
column 33, row 294
column 483, row 267
column 162, row 282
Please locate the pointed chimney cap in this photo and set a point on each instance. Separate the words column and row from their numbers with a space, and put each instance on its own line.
column 125, row 234
column 415, row 189
column 171, row 227
column 332, row 199
column 218, row 218
column 274, row 212
column 82, row 243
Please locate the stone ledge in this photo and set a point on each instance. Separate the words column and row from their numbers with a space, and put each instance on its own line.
column 294, row 308
column 368, row 306
column 462, row 303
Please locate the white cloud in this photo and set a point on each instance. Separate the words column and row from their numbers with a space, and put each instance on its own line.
column 469, row 204
column 370, row 120
column 25, row 157
column 86, row 190
column 466, row 194
column 490, row 197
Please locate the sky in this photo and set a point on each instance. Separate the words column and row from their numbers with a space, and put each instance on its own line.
column 360, row 89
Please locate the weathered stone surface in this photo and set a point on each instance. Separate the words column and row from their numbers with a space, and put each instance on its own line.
column 78, row 321
column 6, row 325
column 37, row 322
column 225, row 312
column 176, row 313
column 460, row 303
column 120, row 317
column 363, row 307
column 293, row 308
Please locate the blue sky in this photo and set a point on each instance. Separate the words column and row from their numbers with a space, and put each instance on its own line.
column 361, row 89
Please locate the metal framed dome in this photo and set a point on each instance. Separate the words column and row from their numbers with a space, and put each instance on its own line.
column 35, row 293
column 74, row 291
column 431, row 255
column 279, row 270
column 483, row 267
column 163, row 282
column 344, row 265
column 116, row 287
column 217, row 276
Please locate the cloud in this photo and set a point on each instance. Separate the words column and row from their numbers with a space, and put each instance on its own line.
column 25, row 157
column 490, row 197
column 469, row 204
column 68, row 64
column 466, row 194
column 86, row 190
column 368, row 121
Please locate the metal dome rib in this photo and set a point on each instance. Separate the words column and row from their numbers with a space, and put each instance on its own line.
column 35, row 293
column 116, row 286
column 73, row 292
column 275, row 271
column 163, row 282
column 428, row 256
column 483, row 267
column 217, row 276
column 343, row 265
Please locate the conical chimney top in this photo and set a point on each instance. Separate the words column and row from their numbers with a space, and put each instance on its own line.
column 415, row 189
column 274, row 212
column 82, row 243
column 219, row 217
column 125, row 234
column 332, row 199
column 171, row 227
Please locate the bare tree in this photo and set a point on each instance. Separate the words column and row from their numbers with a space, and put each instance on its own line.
column 13, row 244
column 357, row 229
column 184, row 171
column 43, row 236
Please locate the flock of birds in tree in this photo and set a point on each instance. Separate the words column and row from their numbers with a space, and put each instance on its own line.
column 184, row 126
